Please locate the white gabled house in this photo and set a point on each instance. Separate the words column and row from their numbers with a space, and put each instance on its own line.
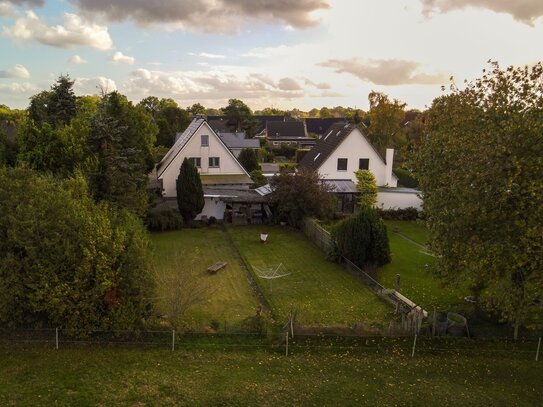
column 344, row 149
column 219, row 169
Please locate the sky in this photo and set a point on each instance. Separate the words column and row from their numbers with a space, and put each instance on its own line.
column 269, row 53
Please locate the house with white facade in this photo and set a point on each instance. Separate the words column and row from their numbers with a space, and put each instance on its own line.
column 344, row 149
column 223, row 178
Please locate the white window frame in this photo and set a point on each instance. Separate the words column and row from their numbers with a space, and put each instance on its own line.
column 196, row 161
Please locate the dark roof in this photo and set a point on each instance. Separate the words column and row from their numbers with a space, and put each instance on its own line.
column 320, row 126
column 238, row 140
column 219, row 125
column 327, row 144
column 264, row 119
column 290, row 130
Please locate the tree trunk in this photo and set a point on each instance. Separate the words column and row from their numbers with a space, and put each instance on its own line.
column 515, row 334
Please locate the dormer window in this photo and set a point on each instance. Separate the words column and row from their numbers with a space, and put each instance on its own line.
column 205, row 140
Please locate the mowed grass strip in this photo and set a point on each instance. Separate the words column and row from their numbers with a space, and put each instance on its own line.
column 321, row 292
column 156, row 377
column 413, row 265
column 229, row 298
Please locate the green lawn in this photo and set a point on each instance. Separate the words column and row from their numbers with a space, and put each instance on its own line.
column 321, row 292
column 157, row 377
column 229, row 297
column 411, row 262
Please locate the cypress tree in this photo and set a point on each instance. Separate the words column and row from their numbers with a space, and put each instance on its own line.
column 190, row 195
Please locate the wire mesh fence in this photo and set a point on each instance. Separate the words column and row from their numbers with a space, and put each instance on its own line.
column 288, row 342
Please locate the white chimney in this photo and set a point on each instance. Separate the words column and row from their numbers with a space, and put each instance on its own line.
column 388, row 167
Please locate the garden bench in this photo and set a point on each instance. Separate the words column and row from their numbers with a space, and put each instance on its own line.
column 217, row 266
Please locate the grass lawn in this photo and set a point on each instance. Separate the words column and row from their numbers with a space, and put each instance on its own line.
column 410, row 262
column 322, row 293
column 229, row 297
column 156, row 377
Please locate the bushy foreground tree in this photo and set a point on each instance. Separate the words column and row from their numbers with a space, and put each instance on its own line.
column 301, row 194
column 480, row 169
column 190, row 195
column 363, row 238
column 66, row 261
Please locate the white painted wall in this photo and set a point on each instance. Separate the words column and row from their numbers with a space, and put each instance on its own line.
column 398, row 200
column 228, row 164
column 354, row 147
column 212, row 207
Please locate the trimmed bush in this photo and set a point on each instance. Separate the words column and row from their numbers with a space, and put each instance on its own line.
column 410, row 213
column 163, row 219
column 363, row 239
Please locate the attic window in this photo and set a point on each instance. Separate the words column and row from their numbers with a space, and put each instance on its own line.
column 342, row 164
column 204, row 140
column 317, row 156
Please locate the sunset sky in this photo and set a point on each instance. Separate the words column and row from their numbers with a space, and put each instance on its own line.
column 280, row 53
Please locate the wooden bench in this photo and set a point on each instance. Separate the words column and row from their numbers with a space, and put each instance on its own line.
column 216, row 267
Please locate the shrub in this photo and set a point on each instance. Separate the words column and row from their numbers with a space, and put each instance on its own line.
column 163, row 219
column 410, row 213
column 406, row 178
column 363, row 239
column 212, row 220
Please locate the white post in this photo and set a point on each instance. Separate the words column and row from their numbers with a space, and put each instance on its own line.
column 173, row 340
column 56, row 338
column 538, row 347
column 286, row 346
column 414, row 345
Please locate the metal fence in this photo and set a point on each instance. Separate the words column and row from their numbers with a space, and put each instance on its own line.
column 285, row 342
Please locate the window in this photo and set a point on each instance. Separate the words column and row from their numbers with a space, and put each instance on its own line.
column 196, row 161
column 214, row 162
column 364, row 164
column 342, row 164
column 205, row 140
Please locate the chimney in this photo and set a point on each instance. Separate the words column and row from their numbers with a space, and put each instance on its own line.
column 388, row 167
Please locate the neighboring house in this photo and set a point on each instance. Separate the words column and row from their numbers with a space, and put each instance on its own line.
column 320, row 127
column 291, row 133
column 343, row 150
column 238, row 141
column 219, row 169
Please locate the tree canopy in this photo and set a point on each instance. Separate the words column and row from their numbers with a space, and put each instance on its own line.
column 66, row 261
column 300, row 194
column 239, row 117
column 479, row 166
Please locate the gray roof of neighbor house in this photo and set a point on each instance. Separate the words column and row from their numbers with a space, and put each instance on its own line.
column 327, row 144
column 320, row 126
column 238, row 140
column 179, row 144
column 286, row 130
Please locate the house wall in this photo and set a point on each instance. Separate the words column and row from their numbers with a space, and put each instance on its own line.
column 354, row 147
column 398, row 200
column 212, row 207
column 228, row 164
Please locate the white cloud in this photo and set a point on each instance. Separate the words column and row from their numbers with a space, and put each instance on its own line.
column 76, row 59
column 74, row 32
column 17, row 71
column 526, row 11
column 94, row 86
column 207, row 15
column 6, row 10
column 209, row 85
column 18, row 88
column 119, row 58
column 390, row 72
column 211, row 56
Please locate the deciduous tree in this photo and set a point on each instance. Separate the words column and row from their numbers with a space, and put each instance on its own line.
column 479, row 167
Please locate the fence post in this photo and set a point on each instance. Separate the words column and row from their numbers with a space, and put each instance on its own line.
column 56, row 338
column 173, row 340
column 286, row 343
column 538, row 347
column 414, row 345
